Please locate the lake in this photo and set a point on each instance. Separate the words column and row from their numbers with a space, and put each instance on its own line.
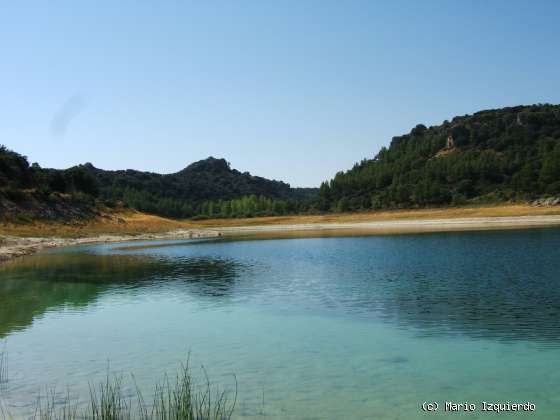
column 309, row 328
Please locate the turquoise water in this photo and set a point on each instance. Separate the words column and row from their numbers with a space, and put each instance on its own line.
column 320, row 328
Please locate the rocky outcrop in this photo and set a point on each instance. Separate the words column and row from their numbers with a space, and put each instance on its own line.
column 30, row 206
column 546, row 202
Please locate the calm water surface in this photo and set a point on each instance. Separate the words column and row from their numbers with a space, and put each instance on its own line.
column 327, row 328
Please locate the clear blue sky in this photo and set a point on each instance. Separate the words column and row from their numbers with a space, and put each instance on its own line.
column 291, row 90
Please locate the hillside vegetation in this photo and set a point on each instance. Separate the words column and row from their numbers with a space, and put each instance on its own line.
column 490, row 156
column 29, row 192
column 208, row 188
column 493, row 156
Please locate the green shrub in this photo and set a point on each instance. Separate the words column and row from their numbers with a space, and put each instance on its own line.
column 17, row 196
column 200, row 217
column 84, row 198
column 23, row 217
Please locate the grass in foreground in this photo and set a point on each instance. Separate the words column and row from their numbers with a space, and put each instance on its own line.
column 3, row 367
column 177, row 399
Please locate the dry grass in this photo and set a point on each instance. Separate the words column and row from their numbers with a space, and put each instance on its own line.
column 135, row 223
column 122, row 223
column 509, row 210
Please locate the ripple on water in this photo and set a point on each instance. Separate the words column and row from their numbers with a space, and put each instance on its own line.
column 324, row 327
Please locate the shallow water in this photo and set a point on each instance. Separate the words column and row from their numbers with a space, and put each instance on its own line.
column 325, row 328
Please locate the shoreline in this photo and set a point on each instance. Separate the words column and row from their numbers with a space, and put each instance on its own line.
column 13, row 247
column 390, row 227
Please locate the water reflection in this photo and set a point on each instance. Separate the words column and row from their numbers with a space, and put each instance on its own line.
column 502, row 285
column 503, row 307
column 29, row 287
column 21, row 300
column 115, row 268
column 498, row 285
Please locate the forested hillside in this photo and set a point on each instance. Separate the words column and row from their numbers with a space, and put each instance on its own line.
column 205, row 188
column 490, row 156
column 30, row 192
column 208, row 188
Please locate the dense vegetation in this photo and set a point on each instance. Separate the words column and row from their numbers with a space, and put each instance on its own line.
column 208, row 188
column 494, row 155
column 28, row 191
column 491, row 156
column 16, row 175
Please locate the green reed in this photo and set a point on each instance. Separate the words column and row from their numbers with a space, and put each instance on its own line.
column 174, row 399
column 3, row 367
column 52, row 408
column 181, row 399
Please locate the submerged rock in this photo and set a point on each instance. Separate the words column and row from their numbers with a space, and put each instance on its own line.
column 395, row 359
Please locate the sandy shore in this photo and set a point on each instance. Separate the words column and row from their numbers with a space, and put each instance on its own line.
column 12, row 247
column 397, row 226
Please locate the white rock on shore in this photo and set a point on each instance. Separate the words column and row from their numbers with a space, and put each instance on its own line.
column 546, row 202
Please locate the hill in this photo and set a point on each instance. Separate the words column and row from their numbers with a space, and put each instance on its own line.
column 491, row 156
column 499, row 155
column 207, row 188
column 29, row 192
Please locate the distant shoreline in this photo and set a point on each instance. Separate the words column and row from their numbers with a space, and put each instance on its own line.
column 13, row 247
column 133, row 226
column 392, row 227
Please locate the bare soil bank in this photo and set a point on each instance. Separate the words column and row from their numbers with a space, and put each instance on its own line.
column 12, row 247
column 18, row 240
